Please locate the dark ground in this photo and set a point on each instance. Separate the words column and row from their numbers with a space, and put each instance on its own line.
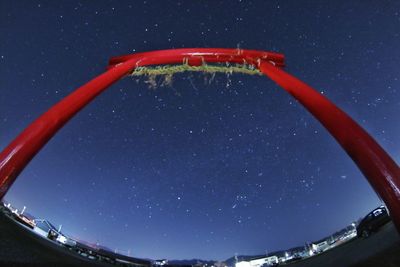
column 18, row 247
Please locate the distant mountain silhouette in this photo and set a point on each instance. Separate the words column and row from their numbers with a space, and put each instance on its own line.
column 190, row 262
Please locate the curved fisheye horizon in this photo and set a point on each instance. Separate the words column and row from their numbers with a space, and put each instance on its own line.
column 190, row 157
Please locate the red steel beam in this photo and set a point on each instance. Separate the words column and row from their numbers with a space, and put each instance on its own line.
column 377, row 166
column 26, row 145
column 220, row 55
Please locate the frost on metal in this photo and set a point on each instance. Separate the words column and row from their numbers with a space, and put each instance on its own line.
column 166, row 72
column 172, row 69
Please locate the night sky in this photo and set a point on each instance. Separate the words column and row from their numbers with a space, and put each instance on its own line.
column 198, row 169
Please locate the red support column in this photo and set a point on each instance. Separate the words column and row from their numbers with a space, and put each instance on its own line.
column 380, row 170
column 22, row 149
column 26, row 145
column 377, row 166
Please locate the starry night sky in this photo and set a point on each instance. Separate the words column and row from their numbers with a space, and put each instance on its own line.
column 198, row 170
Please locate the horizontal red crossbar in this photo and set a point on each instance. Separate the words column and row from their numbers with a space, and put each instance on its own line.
column 197, row 56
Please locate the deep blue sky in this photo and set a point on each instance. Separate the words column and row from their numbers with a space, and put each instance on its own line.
column 198, row 170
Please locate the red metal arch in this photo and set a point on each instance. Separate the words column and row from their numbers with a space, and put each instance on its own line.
column 378, row 167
